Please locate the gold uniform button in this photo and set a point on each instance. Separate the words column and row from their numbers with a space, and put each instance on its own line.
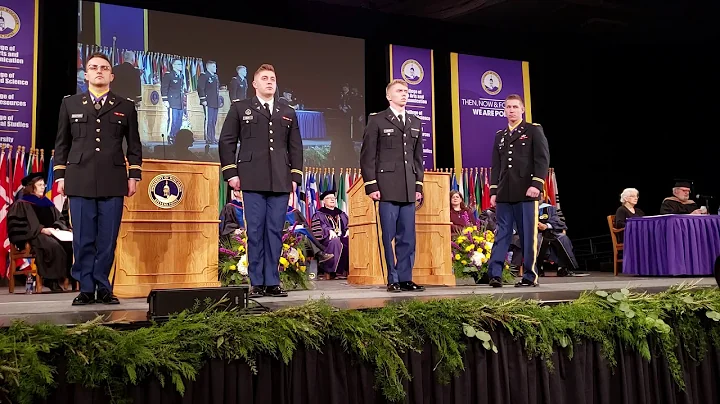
column 511, row 145
column 271, row 140
column 510, row 159
column 510, row 152
column 270, row 123
column 98, row 121
column 97, row 139
column 271, row 149
column 510, row 166
column 271, row 131
column 97, row 130
column 97, row 149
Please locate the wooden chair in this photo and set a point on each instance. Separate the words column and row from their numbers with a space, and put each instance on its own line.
column 617, row 247
column 16, row 254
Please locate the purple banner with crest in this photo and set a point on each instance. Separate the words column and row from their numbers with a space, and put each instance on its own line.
column 480, row 86
column 18, row 65
column 415, row 66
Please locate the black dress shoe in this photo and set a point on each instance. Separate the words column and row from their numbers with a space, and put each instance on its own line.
column 83, row 299
column 54, row 286
column 526, row 283
column 495, row 282
column 393, row 287
column 275, row 291
column 323, row 256
column 411, row 286
column 256, row 291
column 107, row 298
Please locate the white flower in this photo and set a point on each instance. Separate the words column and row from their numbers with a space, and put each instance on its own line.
column 242, row 265
column 292, row 255
column 478, row 258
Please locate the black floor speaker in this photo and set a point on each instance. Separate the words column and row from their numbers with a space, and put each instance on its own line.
column 165, row 302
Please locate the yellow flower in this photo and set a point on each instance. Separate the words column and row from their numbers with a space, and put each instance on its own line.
column 303, row 268
column 460, row 239
column 241, row 249
column 474, row 228
column 457, row 257
column 488, row 247
column 301, row 257
column 286, row 247
column 477, row 239
column 470, row 247
column 467, row 230
column 233, row 267
column 463, row 262
column 284, row 262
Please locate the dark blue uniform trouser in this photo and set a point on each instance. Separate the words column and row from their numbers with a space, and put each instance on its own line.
column 211, row 115
column 264, row 220
column 95, row 226
column 524, row 216
column 397, row 222
column 175, row 121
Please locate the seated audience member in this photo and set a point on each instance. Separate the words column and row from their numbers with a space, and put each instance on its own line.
column 629, row 198
column 460, row 215
column 488, row 219
column 30, row 220
column 680, row 202
column 553, row 243
column 330, row 228
column 232, row 217
column 295, row 218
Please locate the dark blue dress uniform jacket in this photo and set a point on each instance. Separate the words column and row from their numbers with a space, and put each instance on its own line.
column 520, row 159
column 88, row 147
column 391, row 157
column 271, row 150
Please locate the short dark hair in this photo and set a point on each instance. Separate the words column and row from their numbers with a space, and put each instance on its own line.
column 514, row 97
column 210, row 62
column 99, row 55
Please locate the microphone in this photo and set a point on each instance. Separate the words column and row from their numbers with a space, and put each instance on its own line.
column 698, row 196
column 164, row 147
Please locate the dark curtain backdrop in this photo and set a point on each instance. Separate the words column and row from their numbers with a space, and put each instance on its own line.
column 619, row 111
column 505, row 377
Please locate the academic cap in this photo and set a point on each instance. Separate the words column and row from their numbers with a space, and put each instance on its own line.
column 683, row 183
column 326, row 193
column 30, row 178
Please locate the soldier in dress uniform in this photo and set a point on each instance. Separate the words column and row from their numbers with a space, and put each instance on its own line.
column 171, row 91
column 90, row 169
column 268, row 168
column 238, row 85
column 520, row 161
column 391, row 163
column 209, row 92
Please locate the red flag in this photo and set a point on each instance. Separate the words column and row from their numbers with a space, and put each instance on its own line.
column 550, row 188
column 486, row 190
column 4, row 206
column 18, row 173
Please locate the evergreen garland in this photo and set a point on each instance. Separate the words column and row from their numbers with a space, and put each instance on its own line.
column 97, row 356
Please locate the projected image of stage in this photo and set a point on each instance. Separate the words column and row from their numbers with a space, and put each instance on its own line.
column 184, row 72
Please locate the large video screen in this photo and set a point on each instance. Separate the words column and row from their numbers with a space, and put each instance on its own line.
column 184, row 72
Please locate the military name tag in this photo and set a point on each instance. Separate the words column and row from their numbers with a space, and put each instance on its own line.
column 248, row 117
column 388, row 130
column 76, row 116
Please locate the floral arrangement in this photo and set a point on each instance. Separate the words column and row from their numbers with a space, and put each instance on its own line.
column 233, row 260
column 471, row 252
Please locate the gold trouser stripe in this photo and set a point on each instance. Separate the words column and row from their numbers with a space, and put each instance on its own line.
column 381, row 246
column 536, row 205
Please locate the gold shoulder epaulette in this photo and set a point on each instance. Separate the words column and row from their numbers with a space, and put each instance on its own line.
column 67, row 95
column 500, row 131
column 130, row 99
column 536, row 124
column 373, row 113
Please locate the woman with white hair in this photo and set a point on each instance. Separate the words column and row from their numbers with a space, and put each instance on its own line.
column 629, row 198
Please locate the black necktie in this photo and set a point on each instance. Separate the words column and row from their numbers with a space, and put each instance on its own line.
column 400, row 118
column 267, row 108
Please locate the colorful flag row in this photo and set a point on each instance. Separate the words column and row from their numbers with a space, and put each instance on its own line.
column 152, row 65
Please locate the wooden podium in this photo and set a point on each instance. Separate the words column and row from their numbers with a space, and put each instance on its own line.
column 433, row 265
column 169, row 230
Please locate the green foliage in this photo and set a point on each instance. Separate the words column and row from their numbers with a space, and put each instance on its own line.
column 683, row 317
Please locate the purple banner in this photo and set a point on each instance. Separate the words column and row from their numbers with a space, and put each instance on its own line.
column 18, row 65
column 480, row 86
column 415, row 66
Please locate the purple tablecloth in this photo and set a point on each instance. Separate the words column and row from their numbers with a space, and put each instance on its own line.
column 671, row 245
column 312, row 124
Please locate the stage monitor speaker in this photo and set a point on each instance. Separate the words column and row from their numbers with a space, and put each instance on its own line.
column 165, row 302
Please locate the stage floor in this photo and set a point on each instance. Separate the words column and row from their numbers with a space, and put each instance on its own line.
column 56, row 307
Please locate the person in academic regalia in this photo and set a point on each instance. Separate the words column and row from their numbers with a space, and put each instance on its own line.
column 294, row 218
column 330, row 228
column 30, row 219
column 232, row 216
column 680, row 202
column 554, row 244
